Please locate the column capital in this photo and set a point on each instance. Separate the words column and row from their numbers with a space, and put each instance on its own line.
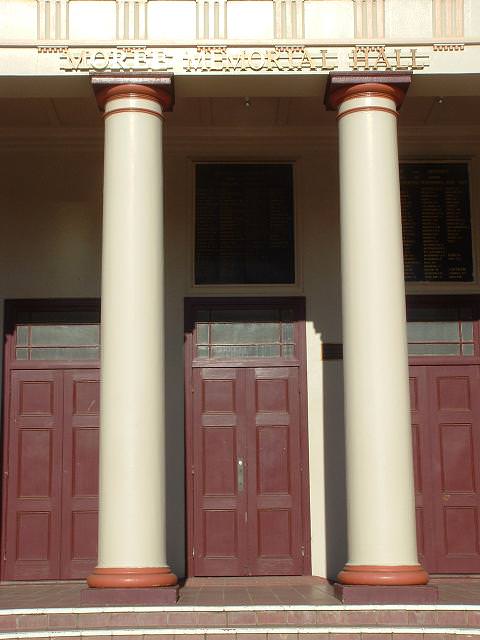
column 352, row 84
column 158, row 87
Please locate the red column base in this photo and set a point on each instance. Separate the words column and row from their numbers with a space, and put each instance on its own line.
column 122, row 578
column 387, row 576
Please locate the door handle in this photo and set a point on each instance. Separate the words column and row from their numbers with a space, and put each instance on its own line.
column 240, row 475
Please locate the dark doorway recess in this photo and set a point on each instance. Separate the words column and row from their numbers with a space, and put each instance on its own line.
column 51, row 420
column 247, row 473
column 444, row 344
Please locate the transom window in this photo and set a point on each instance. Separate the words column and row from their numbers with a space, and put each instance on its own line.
column 57, row 342
column 228, row 334
column 440, row 331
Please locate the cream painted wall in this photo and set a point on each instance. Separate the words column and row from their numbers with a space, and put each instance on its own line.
column 50, row 228
column 408, row 19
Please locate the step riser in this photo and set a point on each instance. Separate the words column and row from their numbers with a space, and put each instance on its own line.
column 236, row 619
column 262, row 633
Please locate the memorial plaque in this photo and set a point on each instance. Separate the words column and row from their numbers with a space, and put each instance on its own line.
column 244, row 227
column 437, row 236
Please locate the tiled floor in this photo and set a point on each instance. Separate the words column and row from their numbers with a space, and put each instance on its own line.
column 222, row 591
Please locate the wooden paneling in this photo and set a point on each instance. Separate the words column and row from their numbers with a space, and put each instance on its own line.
column 34, row 483
column 247, row 416
column 247, row 489
column 52, row 487
column 446, row 414
column 80, row 473
column 218, row 441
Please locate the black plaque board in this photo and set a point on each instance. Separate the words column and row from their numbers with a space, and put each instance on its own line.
column 244, row 226
column 437, row 235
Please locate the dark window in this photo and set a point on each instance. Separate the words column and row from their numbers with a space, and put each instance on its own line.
column 244, row 227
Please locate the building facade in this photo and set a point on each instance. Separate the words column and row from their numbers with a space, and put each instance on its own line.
column 275, row 203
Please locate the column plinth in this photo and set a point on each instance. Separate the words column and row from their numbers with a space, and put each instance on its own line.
column 380, row 492
column 132, row 517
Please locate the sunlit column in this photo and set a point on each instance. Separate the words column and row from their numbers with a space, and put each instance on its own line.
column 381, row 509
column 132, row 518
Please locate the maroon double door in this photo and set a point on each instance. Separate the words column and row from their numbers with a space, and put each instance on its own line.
column 50, row 488
column 52, row 475
column 445, row 402
column 247, row 479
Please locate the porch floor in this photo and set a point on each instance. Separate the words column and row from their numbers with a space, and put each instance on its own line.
column 310, row 591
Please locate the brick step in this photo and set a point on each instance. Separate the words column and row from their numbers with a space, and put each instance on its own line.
column 249, row 633
column 169, row 620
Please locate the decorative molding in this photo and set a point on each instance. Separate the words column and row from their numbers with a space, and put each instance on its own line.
column 62, row 50
column 448, row 18
column 132, row 19
column 369, row 16
column 52, row 19
column 211, row 19
column 449, row 47
column 289, row 19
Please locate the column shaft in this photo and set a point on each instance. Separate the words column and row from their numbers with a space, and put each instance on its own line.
column 132, row 517
column 380, row 503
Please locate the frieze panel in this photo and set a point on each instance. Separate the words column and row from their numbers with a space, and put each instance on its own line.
column 223, row 59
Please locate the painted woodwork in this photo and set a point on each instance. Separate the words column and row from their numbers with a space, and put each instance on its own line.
column 52, row 467
column 446, row 436
column 245, row 461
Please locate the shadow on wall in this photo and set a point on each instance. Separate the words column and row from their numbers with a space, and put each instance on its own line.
column 175, row 443
column 334, row 452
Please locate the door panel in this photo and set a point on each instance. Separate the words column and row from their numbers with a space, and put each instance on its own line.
column 447, row 412
column 52, row 489
column 455, row 439
column 218, row 445
column 80, row 473
column 34, row 486
column 275, row 531
column 247, row 487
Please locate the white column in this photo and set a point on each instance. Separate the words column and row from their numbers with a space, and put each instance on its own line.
column 381, row 515
column 132, row 518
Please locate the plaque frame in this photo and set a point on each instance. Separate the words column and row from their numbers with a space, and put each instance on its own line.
column 294, row 288
column 447, row 287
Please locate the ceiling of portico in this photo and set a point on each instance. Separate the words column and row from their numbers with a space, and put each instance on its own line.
column 67, row 112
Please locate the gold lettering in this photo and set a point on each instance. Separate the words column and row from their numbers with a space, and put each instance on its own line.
column 120, row 59
column 382, row 60
column 360, row 58
column 99, row 61
column 415, row 64
column 217, row 59
column 196, row 63
column 259, row 59
column 141, row 59
column 75, row 61
column 324, row 63
column 398, row 61
column 291, row 63
column 272, row 59
column 307, row 61
column 232, row 63
column 160, row 61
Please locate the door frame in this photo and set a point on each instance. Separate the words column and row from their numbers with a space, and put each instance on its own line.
column 298, row 304
column 12, row 309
